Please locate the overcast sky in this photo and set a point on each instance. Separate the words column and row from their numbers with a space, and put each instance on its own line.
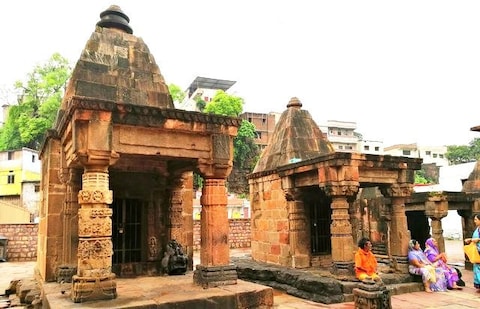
column 404, row 71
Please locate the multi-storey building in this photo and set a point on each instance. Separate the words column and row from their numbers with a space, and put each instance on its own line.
column 429, row 154
column 203, row 88
column 341, row 135
column 264, row 126
column 19, row 184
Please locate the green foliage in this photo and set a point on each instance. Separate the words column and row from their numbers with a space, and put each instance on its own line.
column 201, row 104
column 178, row 95
column 225, row 104
column 40, row 98
column 245, row 151
column 463, row 153
column 421, row 178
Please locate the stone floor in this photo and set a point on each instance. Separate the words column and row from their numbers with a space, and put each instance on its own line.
column 129, row 290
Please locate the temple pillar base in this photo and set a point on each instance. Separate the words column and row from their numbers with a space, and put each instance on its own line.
column 370, row 296
column 91, row 288
column 342, row 268
column 214, row 276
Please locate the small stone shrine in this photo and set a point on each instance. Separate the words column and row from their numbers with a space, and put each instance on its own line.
column 117, row 172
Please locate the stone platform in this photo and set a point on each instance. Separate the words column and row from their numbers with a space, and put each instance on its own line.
column 167, row 292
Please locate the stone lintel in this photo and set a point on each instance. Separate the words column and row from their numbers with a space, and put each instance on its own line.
column 214, row 276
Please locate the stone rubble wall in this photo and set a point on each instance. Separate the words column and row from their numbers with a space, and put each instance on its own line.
column 239, row 236
column 22, row 241
column 22, row 238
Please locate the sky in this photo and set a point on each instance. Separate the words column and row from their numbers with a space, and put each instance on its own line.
column 404, row 71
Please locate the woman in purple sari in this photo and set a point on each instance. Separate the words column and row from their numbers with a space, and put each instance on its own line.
column 440, row 259
column 432, row 277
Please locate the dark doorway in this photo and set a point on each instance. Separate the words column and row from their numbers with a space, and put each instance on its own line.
column 127, row 238
column 319, row 213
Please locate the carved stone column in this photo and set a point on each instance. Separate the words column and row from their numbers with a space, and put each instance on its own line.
column 71, row 179
column 214, row 269
column 297, row 221
column 436, row 208
column 341, row 228
column 94, row 279
column 399, row 233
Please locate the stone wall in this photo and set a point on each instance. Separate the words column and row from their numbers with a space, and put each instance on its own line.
column 239, row 236
column 22, row 241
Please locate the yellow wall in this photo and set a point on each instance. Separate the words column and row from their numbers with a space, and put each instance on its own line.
column 13, row 214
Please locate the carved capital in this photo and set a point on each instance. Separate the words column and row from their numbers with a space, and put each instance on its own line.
column 398, row 190
column 341, row 190
column 292, row 194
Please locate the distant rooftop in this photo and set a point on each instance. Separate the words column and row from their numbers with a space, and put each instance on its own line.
column 209, row 83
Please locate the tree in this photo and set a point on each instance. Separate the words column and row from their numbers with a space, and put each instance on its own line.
column 178, row 95
column 245, row 151
column 39, row 100
column 464, row 153
column 224, row 104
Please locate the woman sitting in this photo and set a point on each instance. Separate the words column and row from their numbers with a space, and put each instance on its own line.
column 433, row 278
column 433, row 254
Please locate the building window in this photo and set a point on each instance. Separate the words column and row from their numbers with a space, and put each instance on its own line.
column 10, row 155
column 11, row 178
column 366, row 147
column 377, row 148
column 434, row 155
column 33, row 158
column 428, row 153
column 264, row 120
column 340, row 147
column 37, row 188
column 349, row 147
column 406, row 152
column 259, row 135
column 440, row 156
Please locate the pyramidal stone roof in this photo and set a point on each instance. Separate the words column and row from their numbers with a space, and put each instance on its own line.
column 472, row 184
column 296, row 138
column 117, row 66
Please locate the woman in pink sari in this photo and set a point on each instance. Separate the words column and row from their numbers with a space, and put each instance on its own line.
column 440, row 259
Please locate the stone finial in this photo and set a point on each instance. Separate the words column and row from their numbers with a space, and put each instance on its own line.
column 294, row 102
column 113, row 17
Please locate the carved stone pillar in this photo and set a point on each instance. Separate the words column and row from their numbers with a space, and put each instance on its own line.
column 399, row 233
column 214, row 269
column 436, row 208
column 341, row 228
column 298, row 236
column 94, row 279
column 71, row 179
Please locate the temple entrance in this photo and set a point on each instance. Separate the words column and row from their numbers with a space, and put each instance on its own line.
column 319, row 213
column 127, row 236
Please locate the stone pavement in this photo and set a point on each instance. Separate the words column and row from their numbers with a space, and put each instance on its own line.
column 129, row 289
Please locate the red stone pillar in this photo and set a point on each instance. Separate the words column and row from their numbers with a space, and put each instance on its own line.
column 399, row 233
column 214, row 269
column 436, row 208
column 341, row 228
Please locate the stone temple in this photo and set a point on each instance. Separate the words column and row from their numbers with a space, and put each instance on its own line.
column 117, row 170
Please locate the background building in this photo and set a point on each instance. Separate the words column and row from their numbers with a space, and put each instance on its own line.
column 19, row 185
column 429, row 154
